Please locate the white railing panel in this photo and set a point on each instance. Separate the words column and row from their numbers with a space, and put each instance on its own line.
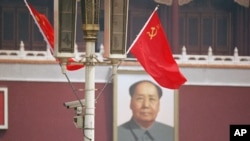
column 182, row 58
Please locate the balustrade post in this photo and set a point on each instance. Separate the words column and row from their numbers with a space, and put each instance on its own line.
column 210, row 54
column 236, row 55
column 22, row 51
column 184, row 54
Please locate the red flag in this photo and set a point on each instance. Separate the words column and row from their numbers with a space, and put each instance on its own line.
column 72, row 67
column 48, row 33
column 44, row 25
column 152, row 50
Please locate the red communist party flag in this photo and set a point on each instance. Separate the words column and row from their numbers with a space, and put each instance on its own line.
column 48, row 34
column 152, row 50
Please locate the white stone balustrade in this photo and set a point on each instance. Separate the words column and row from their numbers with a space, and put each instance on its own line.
column 183, row 58
column 23, row 54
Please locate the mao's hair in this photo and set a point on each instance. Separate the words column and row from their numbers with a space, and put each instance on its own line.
column 134, row 85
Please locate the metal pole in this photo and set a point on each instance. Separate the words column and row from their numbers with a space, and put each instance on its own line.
column 89, row 122
column 115, row 79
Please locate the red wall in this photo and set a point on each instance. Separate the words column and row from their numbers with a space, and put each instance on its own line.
column 36, row 112
column 205, row 112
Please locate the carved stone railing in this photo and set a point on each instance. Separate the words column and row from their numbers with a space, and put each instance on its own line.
column 211, row 59
column 182, row 58
column 23, row 54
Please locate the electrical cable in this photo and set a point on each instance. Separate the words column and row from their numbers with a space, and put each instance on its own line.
column 72, row 87
column 109, row 80
column 98, row 96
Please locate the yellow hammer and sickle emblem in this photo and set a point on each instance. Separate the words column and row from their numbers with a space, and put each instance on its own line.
column 152, row 33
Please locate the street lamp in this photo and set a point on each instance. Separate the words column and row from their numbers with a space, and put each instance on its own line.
column 90, row 19
column 115, row 41
column 116, row 15
column 115, row 32
column 64, row 30
column 90, row 26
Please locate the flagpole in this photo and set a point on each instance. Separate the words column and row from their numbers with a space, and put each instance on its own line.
column 156, row 8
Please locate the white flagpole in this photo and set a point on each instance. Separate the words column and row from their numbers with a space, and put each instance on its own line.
column 156, row 8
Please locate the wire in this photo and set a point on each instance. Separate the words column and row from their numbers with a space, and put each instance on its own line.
column 86, row 136
column 109, row 80
column 72, row 87
column 99, row 94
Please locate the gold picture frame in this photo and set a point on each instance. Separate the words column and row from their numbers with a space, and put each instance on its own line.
column 168, row 113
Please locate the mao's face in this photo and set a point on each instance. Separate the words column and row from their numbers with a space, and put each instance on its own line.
column 145, row 103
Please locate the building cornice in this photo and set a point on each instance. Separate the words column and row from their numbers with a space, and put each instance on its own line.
column 203, row 75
